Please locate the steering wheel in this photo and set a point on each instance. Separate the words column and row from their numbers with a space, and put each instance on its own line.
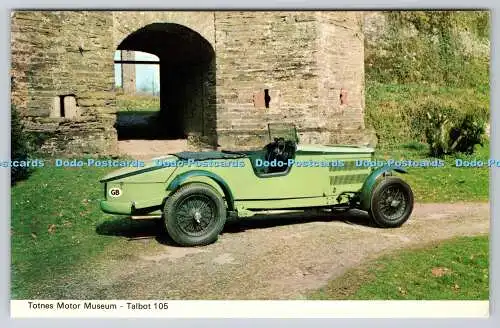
column 276, row 150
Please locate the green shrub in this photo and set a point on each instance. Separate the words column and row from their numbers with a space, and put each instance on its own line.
column 448, row 131
column 437, row 134
column 468, row 133
column 19, row 147
column 431, row 117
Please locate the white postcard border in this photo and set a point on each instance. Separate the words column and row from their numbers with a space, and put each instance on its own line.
column 247, row 309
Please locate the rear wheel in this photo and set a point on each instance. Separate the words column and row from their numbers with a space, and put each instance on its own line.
column 195, row 215
column 391, row 203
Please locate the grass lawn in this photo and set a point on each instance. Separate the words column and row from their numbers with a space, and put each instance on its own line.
column 443, row 184
column 53, row 226
column 452, row 270
column 137, row 103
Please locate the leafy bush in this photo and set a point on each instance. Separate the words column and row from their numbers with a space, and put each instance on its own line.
column 467, row 134
column 19, row 147
column 437, row 134
column 432, row 117
column 448, row 131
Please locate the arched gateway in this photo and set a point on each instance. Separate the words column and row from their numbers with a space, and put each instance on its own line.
column 223, row 75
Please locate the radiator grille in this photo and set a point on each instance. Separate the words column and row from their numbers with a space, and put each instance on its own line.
column 351, row 165
column 348, row 179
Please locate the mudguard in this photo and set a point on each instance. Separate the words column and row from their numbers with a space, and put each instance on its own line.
column 366, row 190
column 181, row 178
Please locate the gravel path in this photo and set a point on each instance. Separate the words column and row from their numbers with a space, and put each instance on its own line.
column 282, row 257
column 146, row 149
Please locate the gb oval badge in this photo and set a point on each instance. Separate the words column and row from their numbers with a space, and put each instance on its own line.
column 115, row 192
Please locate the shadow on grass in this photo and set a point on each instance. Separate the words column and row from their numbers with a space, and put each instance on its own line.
column 135, row 229
column 141, row 229
column 18, row 177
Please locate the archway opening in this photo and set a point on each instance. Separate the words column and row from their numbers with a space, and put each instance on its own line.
column 137, row 86
column 185, row 64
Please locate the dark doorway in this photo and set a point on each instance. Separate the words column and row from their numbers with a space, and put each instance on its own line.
column 187, row 83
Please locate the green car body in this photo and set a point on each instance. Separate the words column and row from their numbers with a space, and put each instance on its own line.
column 315, row 177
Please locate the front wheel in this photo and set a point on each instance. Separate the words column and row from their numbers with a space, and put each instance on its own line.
column 391, row 203
column 195, row 215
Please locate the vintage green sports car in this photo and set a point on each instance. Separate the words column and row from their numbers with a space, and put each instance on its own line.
column 196, row 192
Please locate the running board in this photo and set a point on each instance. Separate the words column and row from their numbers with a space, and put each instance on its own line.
column 145, row 217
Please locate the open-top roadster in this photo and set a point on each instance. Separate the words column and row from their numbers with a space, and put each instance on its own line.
column 195, row 192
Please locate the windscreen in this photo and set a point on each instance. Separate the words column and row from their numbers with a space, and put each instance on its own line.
column 287, row 131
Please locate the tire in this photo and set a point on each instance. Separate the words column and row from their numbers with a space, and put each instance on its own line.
column 195, row 215
column 391, row 203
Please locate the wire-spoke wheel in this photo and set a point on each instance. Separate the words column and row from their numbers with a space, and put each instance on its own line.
column 195, row 215
column 391, row 203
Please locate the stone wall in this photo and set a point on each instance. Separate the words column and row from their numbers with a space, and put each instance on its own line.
column 340, row 59
column 302, row 61
column 57, row 54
